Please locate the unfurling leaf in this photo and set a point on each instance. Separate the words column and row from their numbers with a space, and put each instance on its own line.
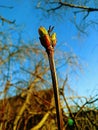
column 42, row 31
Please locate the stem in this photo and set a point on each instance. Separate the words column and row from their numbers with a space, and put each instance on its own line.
column 50, row 53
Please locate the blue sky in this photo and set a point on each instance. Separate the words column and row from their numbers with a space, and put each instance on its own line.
column 84, row 46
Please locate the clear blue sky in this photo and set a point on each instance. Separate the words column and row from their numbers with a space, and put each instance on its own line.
column 85, row 47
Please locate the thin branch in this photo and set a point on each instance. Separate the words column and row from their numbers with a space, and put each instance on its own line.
column 87, row 102
column 9, row 7
column 61, row 4
column 53, row 9
column 6, row 20
column 78, row 6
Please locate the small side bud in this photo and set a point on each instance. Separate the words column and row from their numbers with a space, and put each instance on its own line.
column 53, row 39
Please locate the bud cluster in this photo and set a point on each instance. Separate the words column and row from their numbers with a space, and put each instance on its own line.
column 46, row 39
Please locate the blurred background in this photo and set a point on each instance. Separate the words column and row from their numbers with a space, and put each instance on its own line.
column 26, row 98
column 22, row 56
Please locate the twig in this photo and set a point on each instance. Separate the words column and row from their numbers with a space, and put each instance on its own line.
column 55, row 88
column 46, row 41
column 6, row 20
column 89, row 9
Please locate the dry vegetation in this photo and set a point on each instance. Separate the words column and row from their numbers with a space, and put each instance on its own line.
column 38, row 112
